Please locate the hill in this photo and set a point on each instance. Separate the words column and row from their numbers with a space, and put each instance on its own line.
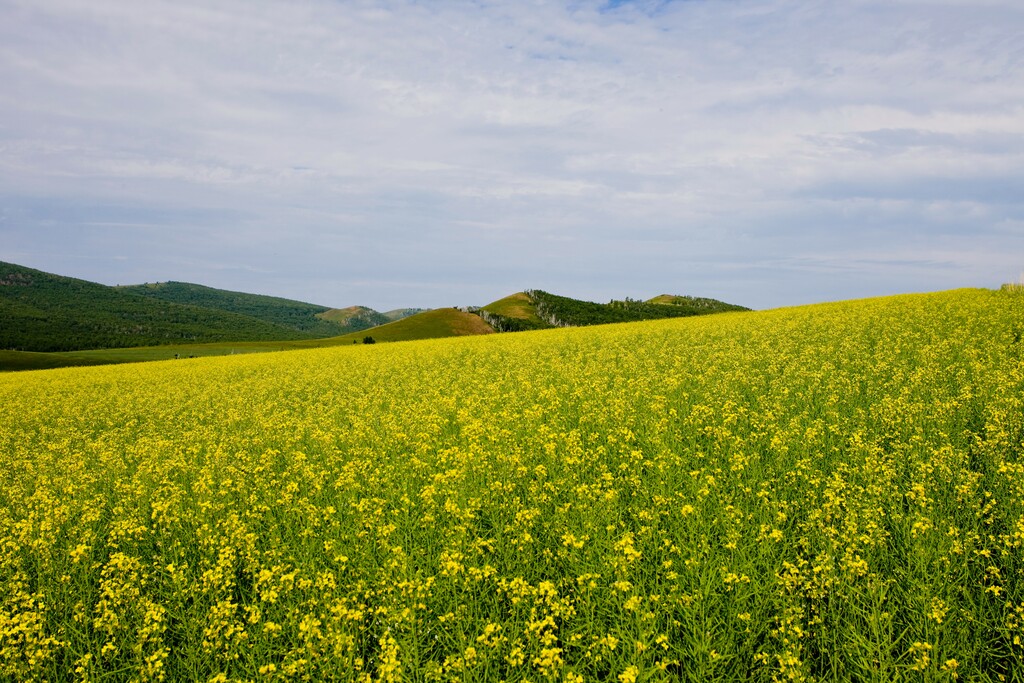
column 86, row 323
column 296, row 315
column 432, row 324
column 399, row 313
column 537, row 309
column 44, row 312
column 354, row 318
column 514, row 313
column 696, row 303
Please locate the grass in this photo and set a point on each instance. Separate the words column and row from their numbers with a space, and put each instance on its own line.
column 826, row 493
column 32, row 360
column 518, row 305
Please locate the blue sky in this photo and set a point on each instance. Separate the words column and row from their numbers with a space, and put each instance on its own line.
column 403, row 153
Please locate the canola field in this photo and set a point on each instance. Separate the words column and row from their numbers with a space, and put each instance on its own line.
column 825, row 493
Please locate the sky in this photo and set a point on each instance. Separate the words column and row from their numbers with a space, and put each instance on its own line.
column 419, row 153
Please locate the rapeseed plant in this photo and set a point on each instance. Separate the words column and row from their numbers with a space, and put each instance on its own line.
column 833, row 492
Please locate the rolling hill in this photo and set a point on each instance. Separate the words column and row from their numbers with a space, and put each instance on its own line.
column 432, row 324
column 49, row 320
column 514, row 313
column 44, row 312
column 443, row 322
column 536, row 309
column 296, row 315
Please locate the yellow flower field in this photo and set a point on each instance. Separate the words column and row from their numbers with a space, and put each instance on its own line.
column 832, row 492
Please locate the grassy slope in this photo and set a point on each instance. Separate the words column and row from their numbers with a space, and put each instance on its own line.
column 518, row 305
column 297, row 315
column 44, row 312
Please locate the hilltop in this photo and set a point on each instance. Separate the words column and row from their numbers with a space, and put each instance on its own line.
column 537, row 309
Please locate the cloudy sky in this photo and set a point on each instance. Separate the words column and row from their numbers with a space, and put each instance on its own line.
column 433, row 153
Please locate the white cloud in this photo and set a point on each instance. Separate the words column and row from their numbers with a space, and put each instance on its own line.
column 736, row 132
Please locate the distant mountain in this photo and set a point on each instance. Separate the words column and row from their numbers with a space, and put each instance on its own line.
column 536, row 309
column 296, row 315
column 44, row 312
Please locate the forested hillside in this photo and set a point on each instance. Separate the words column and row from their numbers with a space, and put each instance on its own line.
column 297, row 315
column 44, row 312
column 536, row 309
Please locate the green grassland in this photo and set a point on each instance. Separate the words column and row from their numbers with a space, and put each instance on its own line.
column 821, row 493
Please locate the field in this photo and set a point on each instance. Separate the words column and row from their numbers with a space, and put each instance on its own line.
column 831, row 492
column 443, row 322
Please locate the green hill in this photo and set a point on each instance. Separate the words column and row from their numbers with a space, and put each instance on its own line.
column 536, row 309
column 696, row 303
column 561, row 311
column 433, row 324
column 297, row 315
column 44, row 312
column 514, row 313
column 49, row 320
